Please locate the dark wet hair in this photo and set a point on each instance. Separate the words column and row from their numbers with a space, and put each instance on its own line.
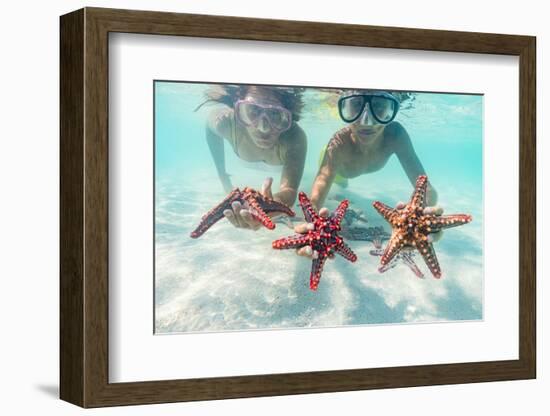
column 401, row 96
column 405, row 97
column 290, row 97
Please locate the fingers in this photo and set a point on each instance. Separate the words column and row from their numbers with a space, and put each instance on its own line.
column 237, row 208
column 306, row 251
column 303, row 227
column 249, row 220
column 434, row 210
column 274, row 215
column 240, row 216
column 266, row 188
column 435, row 237
column 230, row 217
column 400, row 205
column 287, row 222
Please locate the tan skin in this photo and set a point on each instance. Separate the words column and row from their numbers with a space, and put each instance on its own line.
column 360, row 148
column 365, row 149
column 258, row 144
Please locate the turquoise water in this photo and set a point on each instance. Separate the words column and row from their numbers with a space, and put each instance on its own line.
column 231, row 279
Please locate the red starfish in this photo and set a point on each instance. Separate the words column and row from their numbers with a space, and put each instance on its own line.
column 323, row 239
column 411, row 227
column 259, row 207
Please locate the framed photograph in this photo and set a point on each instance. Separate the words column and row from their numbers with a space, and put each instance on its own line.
column 254, row 207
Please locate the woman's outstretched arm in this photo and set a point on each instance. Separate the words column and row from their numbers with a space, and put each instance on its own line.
column 215, row 140
column 291, row 176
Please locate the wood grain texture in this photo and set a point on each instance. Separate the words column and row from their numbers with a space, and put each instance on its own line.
column 527, row 207
column 71, row 213
column 96, row 208
column 226, row 27
column 84, row 207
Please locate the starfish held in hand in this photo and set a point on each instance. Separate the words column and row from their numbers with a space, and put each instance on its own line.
column 322, row 237
column 259, row 207
column 412, row 225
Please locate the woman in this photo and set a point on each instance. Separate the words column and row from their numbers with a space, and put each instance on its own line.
column 260, row 125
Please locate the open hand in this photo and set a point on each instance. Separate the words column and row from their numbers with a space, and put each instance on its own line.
column 240, row 214
column 433, row 210
column 303, row 228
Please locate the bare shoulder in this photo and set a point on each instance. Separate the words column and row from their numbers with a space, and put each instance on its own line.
column 293, row 144
column 220, row 120
column 295, row 137
column 396, row 136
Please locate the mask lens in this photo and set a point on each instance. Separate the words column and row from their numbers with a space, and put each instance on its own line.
column 383, row 108
column 248, row 113
column 279, row 118
column 351, row 107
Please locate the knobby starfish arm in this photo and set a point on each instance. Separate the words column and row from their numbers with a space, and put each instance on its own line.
column 408, row 260
column 346, row 252
column 393, row 247
column 406, row 257
column 386, row 267
column 316, row 270
column 449, row 221
column 259, row 214
column 428, row 253
column 215, row 214
column 341, row 211
column 309, row 212
column 418, row 198
column 294, row 241
column 387, row 212
column 272, row 206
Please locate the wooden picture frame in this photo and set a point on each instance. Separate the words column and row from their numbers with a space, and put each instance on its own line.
column 84, row 207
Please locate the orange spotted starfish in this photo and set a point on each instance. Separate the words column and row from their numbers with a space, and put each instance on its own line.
column 411, row 227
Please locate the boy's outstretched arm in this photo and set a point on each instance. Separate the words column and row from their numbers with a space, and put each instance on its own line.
column 323, row 181
column 408, row 158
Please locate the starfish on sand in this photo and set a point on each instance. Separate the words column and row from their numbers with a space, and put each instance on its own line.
column 323, row 238
column 373, row 234
column 259, row 206
column 411, row 227
column 404, row 256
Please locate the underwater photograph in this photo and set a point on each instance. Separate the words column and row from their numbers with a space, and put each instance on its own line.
column 288, row 207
